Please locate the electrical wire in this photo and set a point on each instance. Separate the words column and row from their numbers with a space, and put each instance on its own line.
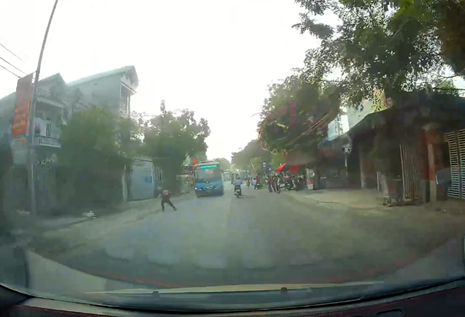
column 10, row 71
column 6, row 48
column 12, row 65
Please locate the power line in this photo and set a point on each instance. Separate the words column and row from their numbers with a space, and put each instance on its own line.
column 12, row 65
column 9, row 71
column 11, row 52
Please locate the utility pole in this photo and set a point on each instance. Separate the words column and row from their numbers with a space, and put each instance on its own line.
column 32, row 113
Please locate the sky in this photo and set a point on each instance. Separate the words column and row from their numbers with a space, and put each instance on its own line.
column 215, row 57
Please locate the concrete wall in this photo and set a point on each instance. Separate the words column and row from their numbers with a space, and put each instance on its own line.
column 103, row 92
column 142, row 179
column 334, row 129
column 355, row 116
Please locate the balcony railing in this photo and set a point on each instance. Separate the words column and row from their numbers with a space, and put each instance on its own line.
column 49, row 98
column 47, row 141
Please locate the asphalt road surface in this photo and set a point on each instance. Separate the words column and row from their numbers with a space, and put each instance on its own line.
column 259, row 238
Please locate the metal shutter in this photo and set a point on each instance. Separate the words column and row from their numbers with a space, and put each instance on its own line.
column 461, row 145
column 455, row 188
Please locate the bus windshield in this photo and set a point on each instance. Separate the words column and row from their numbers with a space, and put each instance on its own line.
column 207, row 174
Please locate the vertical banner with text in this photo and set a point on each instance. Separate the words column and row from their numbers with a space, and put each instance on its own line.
column 20, row 120
column 195, row 161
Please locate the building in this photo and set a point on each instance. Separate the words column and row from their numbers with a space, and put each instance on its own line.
column 354, row 116
column 112, row 89
column 331, row 168
column 401, row 150
column 56, row 102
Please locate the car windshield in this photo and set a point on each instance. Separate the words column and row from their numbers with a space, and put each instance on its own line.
column 125, row 125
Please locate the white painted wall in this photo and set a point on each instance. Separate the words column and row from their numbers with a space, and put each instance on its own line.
column 103, row 91
column 355, row 116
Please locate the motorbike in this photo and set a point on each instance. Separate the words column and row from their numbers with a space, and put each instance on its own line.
column 289, row 185
column 237, row 191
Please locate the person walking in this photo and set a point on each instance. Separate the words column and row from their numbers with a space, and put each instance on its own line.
column 277, row 185
column 166, row 199
column 270, row 184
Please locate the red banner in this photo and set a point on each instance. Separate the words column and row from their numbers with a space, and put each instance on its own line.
column 194, row 162
column 23, row 100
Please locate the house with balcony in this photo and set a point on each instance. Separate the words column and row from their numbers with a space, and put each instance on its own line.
column 112, row 89
column 56, row 102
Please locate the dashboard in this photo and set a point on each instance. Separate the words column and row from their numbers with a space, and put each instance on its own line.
column 444, row 300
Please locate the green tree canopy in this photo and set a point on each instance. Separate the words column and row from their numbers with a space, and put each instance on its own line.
column 394, row 45
column 224, row 163
column 256, row 165
column 277, row 160
column 253, row 149
column 98, row 140
column 170, row 137
column 97, row 145
column 296, row 114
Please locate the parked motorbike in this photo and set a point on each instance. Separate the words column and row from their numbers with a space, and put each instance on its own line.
column 290, row 185
column 237, row 191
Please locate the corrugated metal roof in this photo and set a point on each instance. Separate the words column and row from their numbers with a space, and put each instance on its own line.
column 105, row 74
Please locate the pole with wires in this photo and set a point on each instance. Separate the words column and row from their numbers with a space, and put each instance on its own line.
column 32, row 112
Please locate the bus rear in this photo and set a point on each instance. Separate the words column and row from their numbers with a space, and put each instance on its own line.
column 208, row 179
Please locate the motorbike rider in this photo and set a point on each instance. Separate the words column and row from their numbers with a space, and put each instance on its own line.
column 237, row 184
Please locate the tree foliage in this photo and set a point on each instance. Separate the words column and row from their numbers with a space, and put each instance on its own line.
column 393, row 45
column 448, row 87
column 242, row 158
column 99, row 141
column 97, row 146
column 256, row 165
column 224, row 163
column 277, row 160
column 170, row 137
column 296, row 113
column 6, row 161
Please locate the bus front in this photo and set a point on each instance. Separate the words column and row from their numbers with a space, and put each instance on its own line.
column 208, row 179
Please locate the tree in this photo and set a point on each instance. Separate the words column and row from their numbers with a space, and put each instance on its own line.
column 444, row 18
column 201, row 156
column 169, row 138
column 296, row 114
column 256, row 165
column 277, row 160
column 6, row 161
column 97, row 145
column 224, row 163
column 241, row 159
column 448, row 87
column 392, row 45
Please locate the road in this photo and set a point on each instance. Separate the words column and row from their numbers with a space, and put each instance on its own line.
column 260, row 238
